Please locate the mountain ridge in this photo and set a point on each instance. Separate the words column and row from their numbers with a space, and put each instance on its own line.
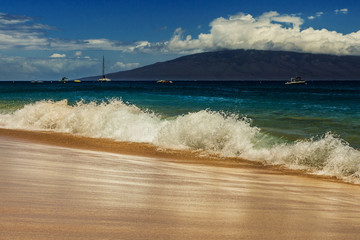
column 246, row 65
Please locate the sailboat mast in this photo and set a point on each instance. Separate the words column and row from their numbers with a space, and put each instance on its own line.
column 103, row 67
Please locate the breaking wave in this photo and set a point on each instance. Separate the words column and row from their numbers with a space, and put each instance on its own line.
column 228, row 135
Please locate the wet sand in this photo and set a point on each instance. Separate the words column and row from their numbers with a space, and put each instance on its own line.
column 100, row 189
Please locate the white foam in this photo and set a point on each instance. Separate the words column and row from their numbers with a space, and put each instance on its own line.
column 227, row 135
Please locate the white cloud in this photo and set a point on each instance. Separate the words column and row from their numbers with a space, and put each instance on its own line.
column 13, row 19
column 343, row 11
column 22, row 68
column 125, row 66
column 317, row 15
column 270, row 31
column 20, row 32
column 57, row 55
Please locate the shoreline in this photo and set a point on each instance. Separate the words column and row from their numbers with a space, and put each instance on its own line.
column 126, row 148
column 60, row 186
column 148, row 150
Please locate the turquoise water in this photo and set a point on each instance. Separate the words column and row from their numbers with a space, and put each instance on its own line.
column 267, row 121
column 289, row 112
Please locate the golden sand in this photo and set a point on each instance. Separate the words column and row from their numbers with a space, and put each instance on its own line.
column 137, row 191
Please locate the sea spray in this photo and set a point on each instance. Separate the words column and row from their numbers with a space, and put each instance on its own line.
column 228, row 135
column 326, row 155
column 112, row 119
column 207, row 130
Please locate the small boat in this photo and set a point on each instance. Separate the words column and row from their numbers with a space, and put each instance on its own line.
column 164, row 81
column 103, row 79
column 37, row 81
column 77, row 81
column 296, row 80
column 64, row 80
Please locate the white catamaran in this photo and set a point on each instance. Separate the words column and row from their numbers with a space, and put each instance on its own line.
column 296, row 80
column 103, row 79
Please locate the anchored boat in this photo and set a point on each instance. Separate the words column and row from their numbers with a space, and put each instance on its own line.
column 296, row 80
column 64, row 80
column 104, row 79
column 164, row 81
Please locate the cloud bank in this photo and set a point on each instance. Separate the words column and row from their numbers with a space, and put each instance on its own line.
column 21, row 32
column 23, row 68
column 270, row 31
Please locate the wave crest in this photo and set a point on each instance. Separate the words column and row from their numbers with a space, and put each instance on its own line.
column 208, row 130
column 112, row 119
column 327, row 155
column 228, row 135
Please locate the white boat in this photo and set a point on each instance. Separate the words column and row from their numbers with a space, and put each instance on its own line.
column 64, row 80
column 36, row 81
column 296, row 80
column 104, row 79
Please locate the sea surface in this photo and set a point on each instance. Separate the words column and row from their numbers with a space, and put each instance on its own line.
column 314, row 127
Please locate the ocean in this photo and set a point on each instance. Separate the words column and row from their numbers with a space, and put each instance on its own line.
column 313, row 127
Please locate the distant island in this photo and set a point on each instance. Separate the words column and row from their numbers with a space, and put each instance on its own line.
column 247, row 65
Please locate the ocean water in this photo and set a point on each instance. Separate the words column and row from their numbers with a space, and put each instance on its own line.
column 314, row 127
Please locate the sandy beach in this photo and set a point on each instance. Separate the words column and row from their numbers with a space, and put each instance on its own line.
column 58, row 186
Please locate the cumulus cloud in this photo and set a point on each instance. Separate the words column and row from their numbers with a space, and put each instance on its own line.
column 125, row 66
column 270, row 31
column 343, row 11
column 57, row 55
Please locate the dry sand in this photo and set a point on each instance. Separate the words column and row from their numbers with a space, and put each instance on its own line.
column 101, row 189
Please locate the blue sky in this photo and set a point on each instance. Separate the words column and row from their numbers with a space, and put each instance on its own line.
column 46, row 40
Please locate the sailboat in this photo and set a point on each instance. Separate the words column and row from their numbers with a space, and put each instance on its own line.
column 104, row 79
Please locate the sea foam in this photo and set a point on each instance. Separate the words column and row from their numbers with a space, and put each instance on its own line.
column 228, row 135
